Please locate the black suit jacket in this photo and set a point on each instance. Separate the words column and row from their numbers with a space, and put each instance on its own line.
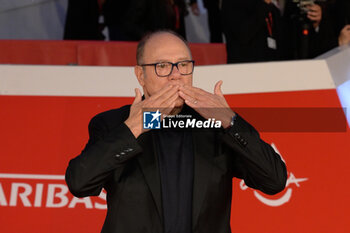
column 246, row 31
column 134, row 18
column 82, row 21
column 128, row 170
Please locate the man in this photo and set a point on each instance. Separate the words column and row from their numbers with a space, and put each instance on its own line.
column 214, row 18
column 129, row 20
column 254, row 31
column 340, row 14
column 171, row 180
column 310, row 27
column 82, row 21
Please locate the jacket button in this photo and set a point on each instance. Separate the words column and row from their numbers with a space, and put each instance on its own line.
column 117, row 155
column 122, row 153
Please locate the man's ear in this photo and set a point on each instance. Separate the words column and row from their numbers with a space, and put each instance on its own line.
column 140, row 75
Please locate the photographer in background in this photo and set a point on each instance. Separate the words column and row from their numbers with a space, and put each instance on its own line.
column 254, row 31
column 310, row 27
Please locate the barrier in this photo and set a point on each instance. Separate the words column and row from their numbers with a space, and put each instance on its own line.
column 92, row 53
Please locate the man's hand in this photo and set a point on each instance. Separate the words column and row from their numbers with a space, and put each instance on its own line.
column 344, row 37
column 315, row 14
column 165, row 99
column 207, row 104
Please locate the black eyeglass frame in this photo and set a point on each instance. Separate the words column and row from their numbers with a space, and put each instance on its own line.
column 172, row 67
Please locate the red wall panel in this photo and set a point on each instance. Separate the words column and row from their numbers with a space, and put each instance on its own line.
column 41, row 134
column 94, row 53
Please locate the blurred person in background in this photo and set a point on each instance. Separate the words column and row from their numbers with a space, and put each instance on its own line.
column 130, row 20
column 310, row 27
column 214, row 18
column 82, row 20
column 340, row 12
column 254, row 31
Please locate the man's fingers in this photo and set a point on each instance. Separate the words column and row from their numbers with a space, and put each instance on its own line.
column 169, row 104
column 187, row 97
column 162, row 92
column 199, row 97
column 174, row 90
column 217, row 88
column 167, row 111
column 163, row 99
column 194, row 92
column 187, row 91
column 171, row 100
column 138, row 96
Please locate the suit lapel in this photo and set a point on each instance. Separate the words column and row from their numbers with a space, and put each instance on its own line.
column 149, row 165
column 203, row 149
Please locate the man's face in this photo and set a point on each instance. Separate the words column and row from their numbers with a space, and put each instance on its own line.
column 163, row 47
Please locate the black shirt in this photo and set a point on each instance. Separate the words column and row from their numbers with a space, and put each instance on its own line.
column 175, row 152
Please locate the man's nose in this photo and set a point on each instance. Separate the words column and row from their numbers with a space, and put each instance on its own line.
column 175, row 73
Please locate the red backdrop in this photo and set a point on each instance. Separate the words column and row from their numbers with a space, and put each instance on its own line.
column 41, row 134
column 92, row 53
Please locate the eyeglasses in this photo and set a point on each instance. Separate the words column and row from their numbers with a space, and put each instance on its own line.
column 164, row 69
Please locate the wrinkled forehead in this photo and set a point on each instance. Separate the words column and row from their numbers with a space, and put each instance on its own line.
column 165, row 47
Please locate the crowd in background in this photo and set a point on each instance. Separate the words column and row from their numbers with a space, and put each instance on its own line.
column 254, row 30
